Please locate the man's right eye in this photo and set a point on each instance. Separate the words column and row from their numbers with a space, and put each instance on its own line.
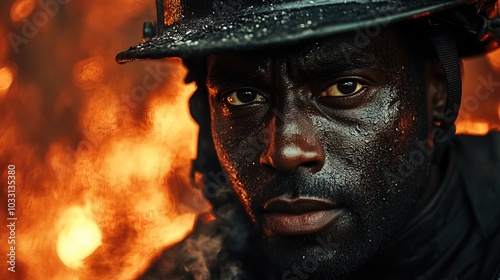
column 242, row 97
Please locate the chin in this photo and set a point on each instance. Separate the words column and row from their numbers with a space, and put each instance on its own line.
column 308, row 259
column 333, row 253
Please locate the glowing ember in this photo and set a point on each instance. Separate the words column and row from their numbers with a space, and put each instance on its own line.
column 6, row 79
column 84, row 131
column 494, row 59
column 89, row 72
column 472, row 127
column 105, row 149
column 79, row 236
column 21, row 9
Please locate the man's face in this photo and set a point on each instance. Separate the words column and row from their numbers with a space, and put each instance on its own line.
column 314, row 139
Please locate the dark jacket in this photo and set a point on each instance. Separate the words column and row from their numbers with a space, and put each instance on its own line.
column 454, row 235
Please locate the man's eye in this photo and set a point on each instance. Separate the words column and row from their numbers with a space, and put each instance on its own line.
column 343, row 88
column 244, row 97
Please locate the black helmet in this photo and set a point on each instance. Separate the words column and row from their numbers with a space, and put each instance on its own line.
column 192, row 29
column 187, row 28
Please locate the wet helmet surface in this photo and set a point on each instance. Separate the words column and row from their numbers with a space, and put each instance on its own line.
column 190, row 28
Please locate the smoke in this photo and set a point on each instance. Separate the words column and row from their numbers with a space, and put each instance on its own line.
column 227, row 247
column 212, row 251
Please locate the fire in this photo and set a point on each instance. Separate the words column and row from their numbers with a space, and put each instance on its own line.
column 102, row 151
column 480, row 98
column 79, row 236
column 6, row 79
column 89, row 71
column 473, row 127
column 494, row 59
column 21, row 9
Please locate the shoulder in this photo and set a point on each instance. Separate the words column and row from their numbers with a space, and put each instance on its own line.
column 478, row 163
column 479, row 149
column 478, row 160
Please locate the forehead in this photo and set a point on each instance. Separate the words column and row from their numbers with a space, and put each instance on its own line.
column 353, row 49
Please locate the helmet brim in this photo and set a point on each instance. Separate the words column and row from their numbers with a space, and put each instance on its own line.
column 255, row 29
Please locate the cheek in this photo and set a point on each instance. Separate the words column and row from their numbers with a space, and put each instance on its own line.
column 238, row 148
column 375, row 144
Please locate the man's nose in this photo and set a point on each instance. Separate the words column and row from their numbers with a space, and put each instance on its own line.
column 293, row 145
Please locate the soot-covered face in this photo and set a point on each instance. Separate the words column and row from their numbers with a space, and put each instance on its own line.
column 314, row 139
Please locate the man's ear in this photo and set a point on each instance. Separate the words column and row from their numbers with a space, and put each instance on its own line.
column 437, row 91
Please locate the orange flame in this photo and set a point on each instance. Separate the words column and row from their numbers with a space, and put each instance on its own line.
column 21, row 9
column 102, row 151
column 499, row 112
column 473, row 127
column 494, row 59
column 79, row 236
column 6, row 79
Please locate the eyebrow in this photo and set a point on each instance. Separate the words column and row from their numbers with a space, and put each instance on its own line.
column 226, row 73
column 330, row 66
column 226, row 77
column 332, row 57
column 308, row 63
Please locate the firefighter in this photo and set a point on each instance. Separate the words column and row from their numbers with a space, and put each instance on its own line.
column 332, row 124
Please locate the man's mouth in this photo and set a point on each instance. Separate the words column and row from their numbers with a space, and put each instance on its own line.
column 299, row 216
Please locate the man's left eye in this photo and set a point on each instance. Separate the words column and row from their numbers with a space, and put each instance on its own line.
column 343, row 88
column 244, row 97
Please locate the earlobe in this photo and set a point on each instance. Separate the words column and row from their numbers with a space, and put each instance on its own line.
column 437, row 91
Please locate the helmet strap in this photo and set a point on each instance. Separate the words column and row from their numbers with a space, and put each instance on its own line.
column 447, row 53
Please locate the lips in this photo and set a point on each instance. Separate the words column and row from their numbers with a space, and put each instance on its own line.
column 299, row 216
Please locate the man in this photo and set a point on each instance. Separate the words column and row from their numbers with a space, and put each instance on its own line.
column 333, row 122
